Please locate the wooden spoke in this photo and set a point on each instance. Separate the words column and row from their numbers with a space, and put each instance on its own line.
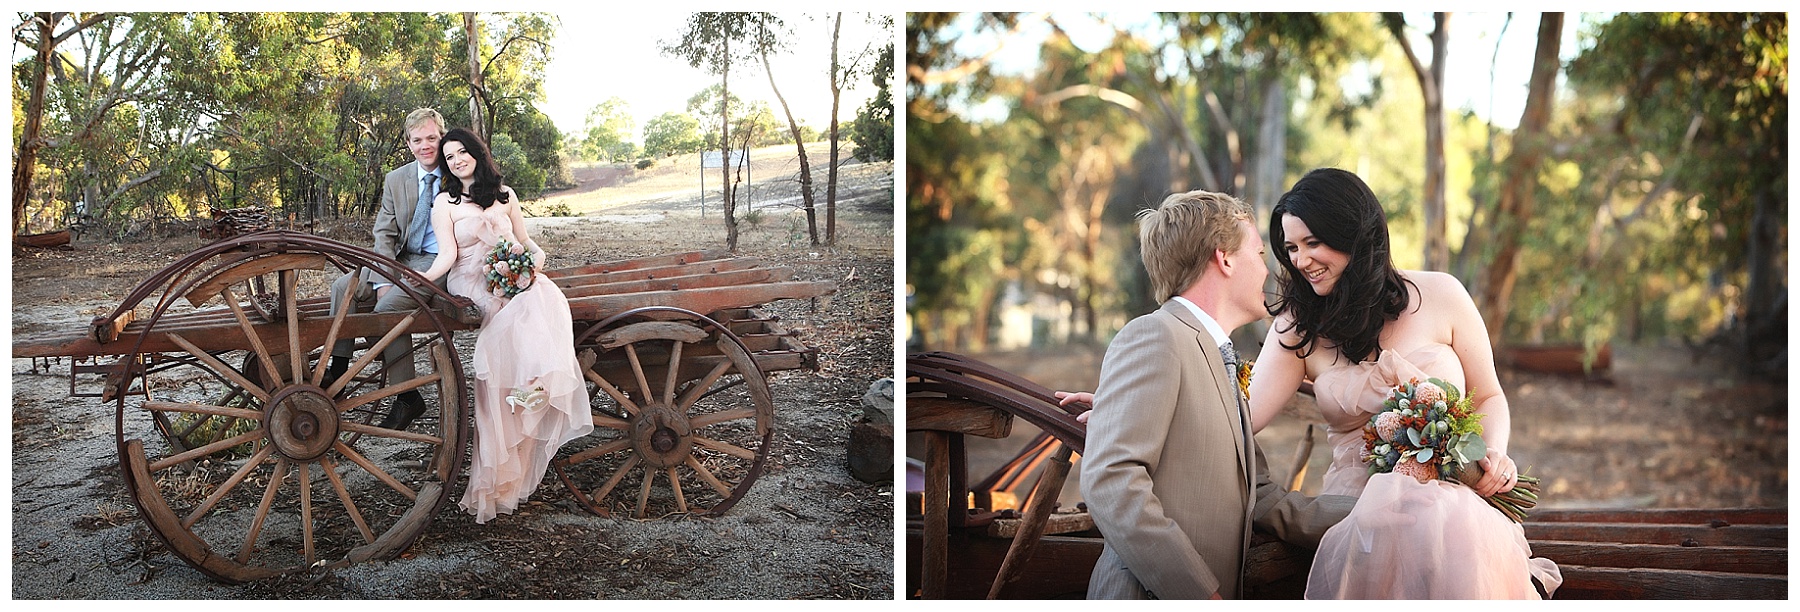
column 241, row 413
column 337, row 323
column 229, row 484
column 262, row 511
column 624, row 402
column 256, row 343
column 207, row 450
column 715, row 418
column 305, row 482
column 631, row 461
column 219, row 367
column 354, row 457
column 674, row 373
column 644, row 493
column 707, row 476
column 388, row 391
column 362, row 428
column 337, row 485
column 675, row 484
column 601, row 420
column 356, row 368
column 600, row 451
column 726, row 447
column 296, row 356
column 637, row 369
column 699, row 388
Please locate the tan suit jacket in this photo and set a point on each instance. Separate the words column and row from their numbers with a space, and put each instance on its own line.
column 399, row 198
column 1171, row 476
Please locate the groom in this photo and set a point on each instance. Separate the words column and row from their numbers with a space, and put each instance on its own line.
column 402, row 232
column 1172, row 476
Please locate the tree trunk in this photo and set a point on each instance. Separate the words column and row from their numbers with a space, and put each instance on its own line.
column 1431, row 82
column 477, row 107
column 31, row 139
column 730, row 201
column 832, row 175
column 806, row 184
column 1269, row 166
column 1518, row 193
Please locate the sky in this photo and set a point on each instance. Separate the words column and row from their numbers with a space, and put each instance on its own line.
column 1473, row 37
column 599, row 55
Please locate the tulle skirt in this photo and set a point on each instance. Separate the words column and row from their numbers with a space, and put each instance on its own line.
column 1435, row 540
column 524, row 344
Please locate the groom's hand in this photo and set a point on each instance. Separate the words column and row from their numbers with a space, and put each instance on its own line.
column 1065, row 398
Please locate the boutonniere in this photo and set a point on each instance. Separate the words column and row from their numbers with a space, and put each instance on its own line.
column 1243, row 376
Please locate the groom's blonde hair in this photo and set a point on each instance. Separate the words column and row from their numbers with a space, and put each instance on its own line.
column 1180, row 236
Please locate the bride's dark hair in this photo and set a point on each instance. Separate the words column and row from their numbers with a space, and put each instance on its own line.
column 1342, row 212
column 486, row 188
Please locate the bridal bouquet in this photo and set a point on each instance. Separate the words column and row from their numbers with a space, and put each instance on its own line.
column 1429, row 430
column 508, row 268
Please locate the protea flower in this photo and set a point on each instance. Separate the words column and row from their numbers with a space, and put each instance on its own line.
column 1419, row 471
column 1386, row 424
column 1428, row 393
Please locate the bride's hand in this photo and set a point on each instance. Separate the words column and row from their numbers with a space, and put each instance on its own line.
column 1501, row 474
column 1064, row 398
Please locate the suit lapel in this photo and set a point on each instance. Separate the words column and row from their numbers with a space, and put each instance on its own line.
column 1227, row 385
column 408, row 199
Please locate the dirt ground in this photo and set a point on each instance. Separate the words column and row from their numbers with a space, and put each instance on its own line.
column 1664, row 428
column 805, row 530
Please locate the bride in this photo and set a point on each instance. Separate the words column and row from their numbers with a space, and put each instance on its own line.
column 530, row 397
column 1356, row 326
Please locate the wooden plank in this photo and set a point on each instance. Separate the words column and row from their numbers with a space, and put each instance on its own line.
column 1060, row 566
column 273, row 335
column 1667, row 516
column 1582, row 582
column 1768, row 536
column 1739, row 559
column 1058, row 524
column 957, row 415
column 639, row 262
column 698, row 300
column 678, row 283
column 662, row 272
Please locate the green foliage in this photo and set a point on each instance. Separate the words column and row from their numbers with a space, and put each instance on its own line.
column 645, row 163
column 873, row 130
column 608, row 131
column 520, row 173
column 161, row 115
column 672, row 133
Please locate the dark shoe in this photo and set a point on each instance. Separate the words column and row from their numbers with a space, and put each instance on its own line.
column 336, row 370
column 407, row 406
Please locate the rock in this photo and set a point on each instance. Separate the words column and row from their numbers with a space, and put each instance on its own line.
column 870, row 452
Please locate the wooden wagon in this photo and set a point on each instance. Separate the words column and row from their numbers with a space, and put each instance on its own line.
column 959, row 546
column 249, row 462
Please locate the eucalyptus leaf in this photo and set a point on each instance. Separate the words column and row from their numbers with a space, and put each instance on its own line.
column 1412, row 433
column 1425, row 455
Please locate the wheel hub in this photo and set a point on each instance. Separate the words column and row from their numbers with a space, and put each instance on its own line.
column 660, row 435
column 302, row 422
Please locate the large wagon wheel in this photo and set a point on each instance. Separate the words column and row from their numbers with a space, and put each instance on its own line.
column 683, row 418
column 289, row 475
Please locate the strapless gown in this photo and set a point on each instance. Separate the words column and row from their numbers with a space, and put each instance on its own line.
column 1406, row 540
column 525, row 342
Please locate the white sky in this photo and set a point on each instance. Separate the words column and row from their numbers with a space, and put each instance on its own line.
column 599, row 55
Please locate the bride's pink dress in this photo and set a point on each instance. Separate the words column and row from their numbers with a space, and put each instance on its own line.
column 524, row 342
column 1406, row 540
